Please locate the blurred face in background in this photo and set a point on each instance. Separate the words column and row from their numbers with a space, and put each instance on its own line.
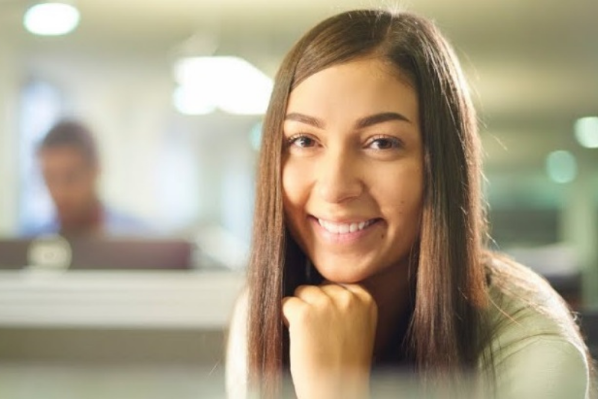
column 71, row 180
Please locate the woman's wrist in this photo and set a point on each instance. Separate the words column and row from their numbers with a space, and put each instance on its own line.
column 350, row 385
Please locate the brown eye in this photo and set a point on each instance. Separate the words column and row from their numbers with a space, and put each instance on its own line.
column 302, row 141
column 385, row 143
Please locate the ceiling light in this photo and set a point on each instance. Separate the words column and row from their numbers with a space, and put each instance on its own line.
column 561, row 166
column 231, row 83
column 192, row 102
column 586, row 131
column 51, row 19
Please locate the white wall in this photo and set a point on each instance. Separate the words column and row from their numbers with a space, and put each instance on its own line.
column 9, row 83
column 176, row 172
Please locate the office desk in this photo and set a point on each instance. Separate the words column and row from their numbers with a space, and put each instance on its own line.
column 119, row 334
column 137, row 316
column 118, row 299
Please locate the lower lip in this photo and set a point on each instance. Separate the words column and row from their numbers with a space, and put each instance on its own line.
column 347, row 238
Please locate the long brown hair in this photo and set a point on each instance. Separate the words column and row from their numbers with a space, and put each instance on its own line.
column 446, row 330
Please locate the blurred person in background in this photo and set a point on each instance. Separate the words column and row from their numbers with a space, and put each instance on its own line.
column 70, row 166
column 369, row 235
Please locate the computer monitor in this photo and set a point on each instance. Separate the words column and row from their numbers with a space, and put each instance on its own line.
column 97, row 253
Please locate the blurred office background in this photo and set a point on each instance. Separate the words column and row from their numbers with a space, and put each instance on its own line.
column 183, row 159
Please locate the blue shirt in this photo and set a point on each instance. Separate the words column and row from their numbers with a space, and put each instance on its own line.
column 113, row 224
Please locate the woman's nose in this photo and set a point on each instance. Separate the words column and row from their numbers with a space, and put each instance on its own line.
column 339, row 177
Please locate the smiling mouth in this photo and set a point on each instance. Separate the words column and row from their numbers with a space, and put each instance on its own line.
column 345, row 228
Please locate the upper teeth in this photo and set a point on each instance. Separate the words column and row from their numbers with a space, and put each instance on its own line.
column 344, row 228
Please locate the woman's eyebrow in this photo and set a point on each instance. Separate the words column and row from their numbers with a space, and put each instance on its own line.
column 309, row 120
column 360, row 124
column 380, row 118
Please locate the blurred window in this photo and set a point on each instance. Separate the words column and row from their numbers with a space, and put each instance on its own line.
column 41, row 104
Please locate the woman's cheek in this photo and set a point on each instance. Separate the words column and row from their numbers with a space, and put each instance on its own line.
column 294, row 182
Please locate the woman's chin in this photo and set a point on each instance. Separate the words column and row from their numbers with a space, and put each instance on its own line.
column 343, row 275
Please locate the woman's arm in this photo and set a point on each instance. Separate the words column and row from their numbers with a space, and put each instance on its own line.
column 332, row 330
column 548, row 367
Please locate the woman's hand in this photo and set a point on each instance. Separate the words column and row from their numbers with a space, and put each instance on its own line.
column 332, row 330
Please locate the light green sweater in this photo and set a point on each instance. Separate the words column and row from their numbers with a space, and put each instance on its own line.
column 536, row 350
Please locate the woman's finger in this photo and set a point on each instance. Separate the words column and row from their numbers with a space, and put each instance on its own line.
column 291, row 306
column 311, row 294
column 358, row 290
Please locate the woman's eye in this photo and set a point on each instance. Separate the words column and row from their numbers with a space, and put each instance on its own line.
column 302, row 141
column 385, row 143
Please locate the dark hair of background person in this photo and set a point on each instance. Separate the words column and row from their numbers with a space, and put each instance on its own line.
column 450, row 265
column 73, row 134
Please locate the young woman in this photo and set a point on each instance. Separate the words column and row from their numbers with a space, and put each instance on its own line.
column 368, row 255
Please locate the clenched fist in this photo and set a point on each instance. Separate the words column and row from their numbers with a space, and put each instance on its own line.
column 332, row 330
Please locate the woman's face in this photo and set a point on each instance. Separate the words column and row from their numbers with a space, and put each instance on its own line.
column 352, row 169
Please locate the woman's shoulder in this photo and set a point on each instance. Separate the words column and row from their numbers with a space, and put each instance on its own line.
column 536, row 347
column 524, row 302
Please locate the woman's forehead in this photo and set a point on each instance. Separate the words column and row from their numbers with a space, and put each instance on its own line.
column 379, row 64
column 362, row 86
